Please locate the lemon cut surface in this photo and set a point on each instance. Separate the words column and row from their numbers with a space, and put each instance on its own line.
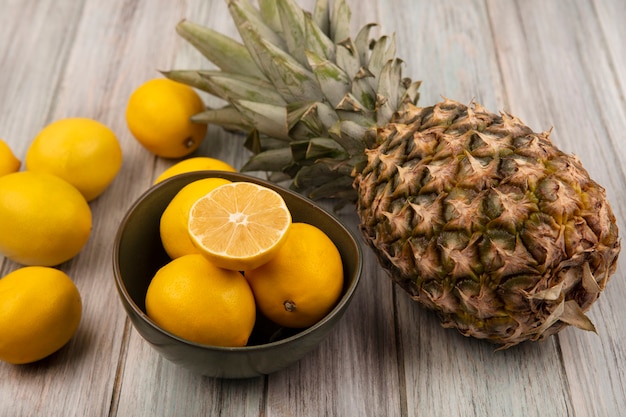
column 239, row 226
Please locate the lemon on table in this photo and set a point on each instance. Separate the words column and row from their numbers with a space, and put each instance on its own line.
column 158, row 115
column 195, row 300
column 302, row 282
column 44, row 220
column 198, row 163
column 173, row 225
column 40, row 310
column 8, row 161
column 239, row 226
column 82, row 151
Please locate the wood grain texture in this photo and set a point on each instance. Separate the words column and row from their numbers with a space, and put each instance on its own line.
column 579, row 94
column 555, row 64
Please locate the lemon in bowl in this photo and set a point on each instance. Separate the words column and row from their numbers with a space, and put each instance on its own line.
column 197, row 163
column 200, row 302
column 139, row 254
column 239, row 226
column 300, row 284
column 173, row 226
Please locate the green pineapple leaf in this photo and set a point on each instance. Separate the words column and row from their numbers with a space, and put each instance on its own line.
column 292, row 18
column 333, row 81
column 228, row 117
column 340, row 23
column 192, row 78
column 267, row 118
column 317, row 41
column 321, row 16
column 274, row 160
column 234, row 87
column 226, row 53
column 389, row 85
column 269, row 14
column 244, row 14
column 291, row 80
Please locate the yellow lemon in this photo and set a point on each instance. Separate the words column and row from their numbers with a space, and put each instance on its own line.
column 8, row 161
column 198, row 163
column 84, row 152
column 158, row 115
column 173, row 225
column 195, row 300
column 302, row 282
column 44, row 220
column 40, row 309
column 239, row 226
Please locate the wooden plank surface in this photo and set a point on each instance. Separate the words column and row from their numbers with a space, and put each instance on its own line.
column 574, row 61
column 555, row 64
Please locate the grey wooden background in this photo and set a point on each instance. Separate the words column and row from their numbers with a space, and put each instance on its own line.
column 553, row 63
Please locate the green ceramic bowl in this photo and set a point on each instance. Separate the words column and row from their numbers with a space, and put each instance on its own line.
column 138, row 254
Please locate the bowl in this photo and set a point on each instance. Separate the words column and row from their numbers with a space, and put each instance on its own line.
column 138, row 254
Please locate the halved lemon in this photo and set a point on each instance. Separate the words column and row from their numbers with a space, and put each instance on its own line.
column 239, row 226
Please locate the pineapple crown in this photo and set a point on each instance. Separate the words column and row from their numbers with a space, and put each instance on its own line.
column 308, row 95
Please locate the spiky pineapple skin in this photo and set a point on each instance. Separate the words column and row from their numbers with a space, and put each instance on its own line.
column 486, row 222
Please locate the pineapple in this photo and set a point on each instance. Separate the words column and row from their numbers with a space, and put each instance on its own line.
column 472, row 213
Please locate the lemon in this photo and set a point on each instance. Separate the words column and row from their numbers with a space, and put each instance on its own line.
column 240, row 225
column 158, row 115
column 84, row 152
column 173, row 224
column 195, row 300
column 198, row 163
column 40, row 309
column 302, row 282
column 8, row 161
column 44, row 220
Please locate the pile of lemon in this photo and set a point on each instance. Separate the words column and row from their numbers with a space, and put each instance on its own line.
column 233, row 246
column 234, row 249
column 68, row 164
column 46, row 220
column 45, row 217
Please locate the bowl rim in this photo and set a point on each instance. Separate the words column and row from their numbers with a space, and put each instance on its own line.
column 122, row 291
